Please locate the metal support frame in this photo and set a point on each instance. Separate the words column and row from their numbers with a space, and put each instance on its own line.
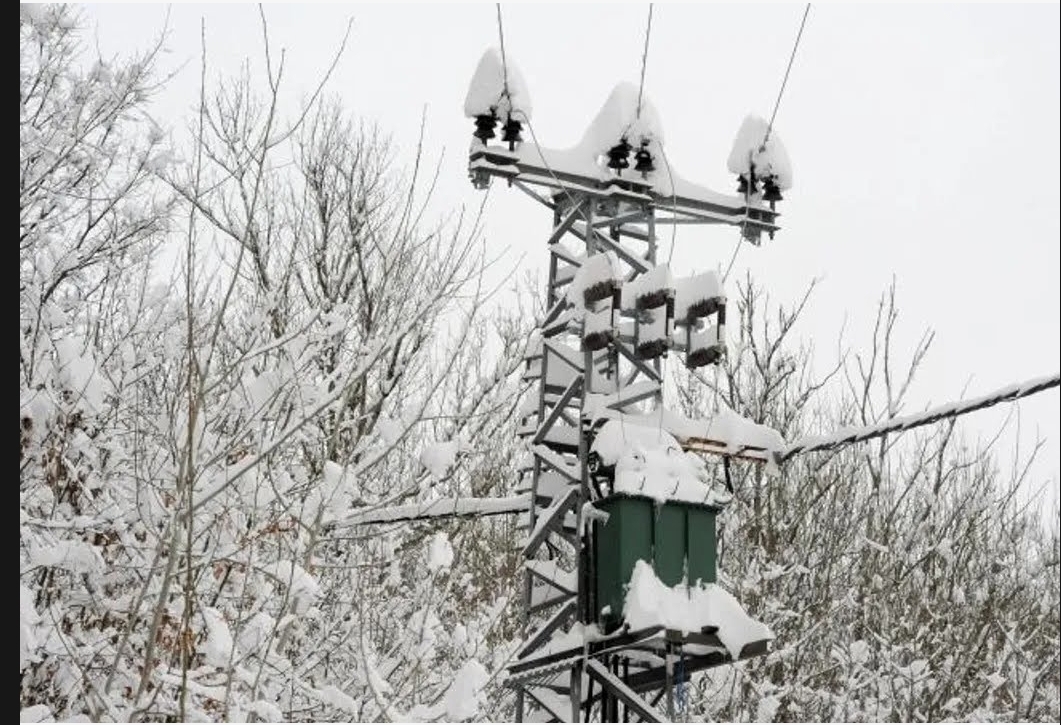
column 620, row 216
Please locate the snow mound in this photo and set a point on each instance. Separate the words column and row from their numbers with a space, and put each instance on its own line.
column 723, row 426
column 595, row 279
column 769, row 158
column 650, row 602
column 486, row 92
column 650, row 462
column 649, row 289
column 694, row 296
column 618, row 119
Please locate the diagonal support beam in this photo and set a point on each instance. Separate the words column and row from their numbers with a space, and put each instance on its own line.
column 557, row 707
column 553, row 516
column 565, row 353
column 631, row 258
column 543, row 633
column 533, row 194
column 626, row 351
column 566, row 223
column 573, row 389
column 551, row 573
column 555, row 462
column 617, row 687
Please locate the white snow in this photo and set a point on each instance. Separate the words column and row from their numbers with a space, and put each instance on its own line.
column 465, row 694
column 597, row 269
column 616, row 436
column 255, row 633
column 650, row 462
column 705, row 338
column 437, row 508
column 389, row 430
column 486, row 92
column 439, row 552
column 695, row 291
column 218, row 642
column 27, row 637
column 75, row 368
column 302, row 587
column 690, row 608
column 439, row 457
column 577, row 636
column 655, row 281
column 752, row 147
column 266, row 711
column 35, row 713
column 75, row 556
column 595, row 323
column 724, row 426
column 618, row 119
column 767, row 708
column 653, row 327
column 332, row 695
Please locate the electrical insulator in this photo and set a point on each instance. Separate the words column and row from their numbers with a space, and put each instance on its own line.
column 511, row 133
column 771, row 191
column 484, row 127
column 618, row 156
column 643, row 158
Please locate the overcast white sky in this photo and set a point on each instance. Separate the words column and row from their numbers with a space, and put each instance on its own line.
column 924, row 139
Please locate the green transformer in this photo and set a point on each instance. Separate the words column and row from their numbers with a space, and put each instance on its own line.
column 676, row 537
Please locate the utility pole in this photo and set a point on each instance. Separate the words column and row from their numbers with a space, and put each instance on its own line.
column 605, row 333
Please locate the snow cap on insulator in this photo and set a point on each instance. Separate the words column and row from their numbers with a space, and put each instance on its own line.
column 486, row 92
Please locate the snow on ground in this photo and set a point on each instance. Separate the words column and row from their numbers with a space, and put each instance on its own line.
column 486, row 92
column 753, row 146
column 650, row 602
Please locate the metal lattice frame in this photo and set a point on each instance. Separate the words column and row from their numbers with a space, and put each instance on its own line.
column 620, row 216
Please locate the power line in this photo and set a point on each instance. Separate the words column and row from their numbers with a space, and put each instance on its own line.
column 644, row 60
column 504, row 61
column 784, row 82
column 950, row 410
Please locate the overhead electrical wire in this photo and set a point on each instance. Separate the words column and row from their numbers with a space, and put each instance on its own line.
column 644, row 60
column 788, row 69
column 951, row 410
